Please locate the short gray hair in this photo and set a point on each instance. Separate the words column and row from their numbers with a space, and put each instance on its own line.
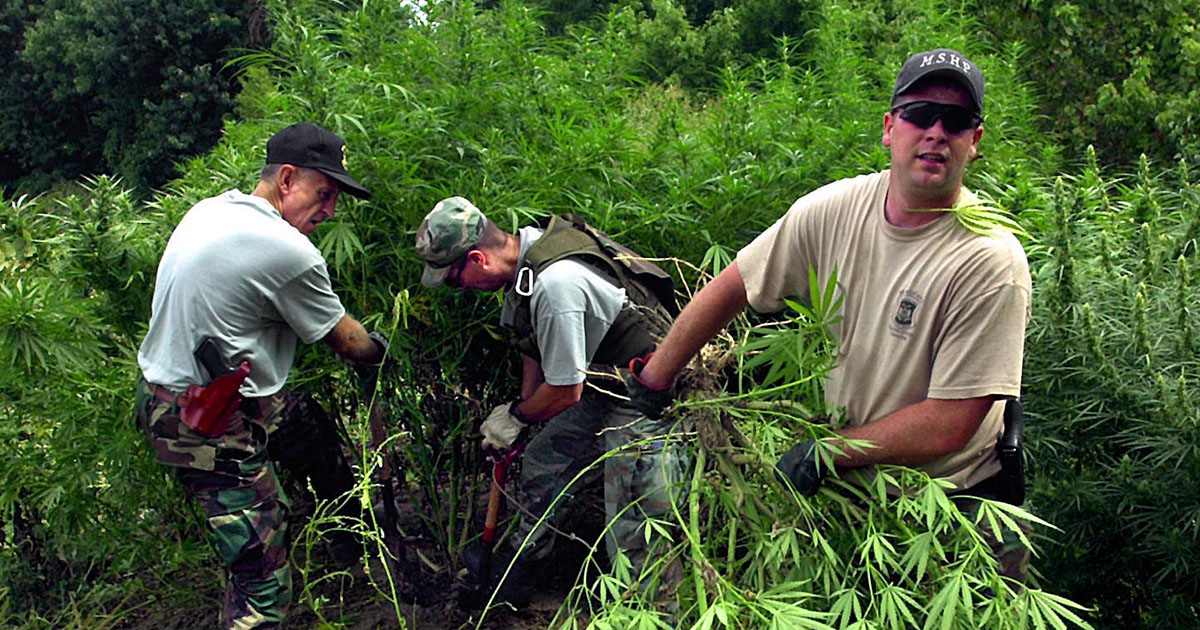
column 271, row 171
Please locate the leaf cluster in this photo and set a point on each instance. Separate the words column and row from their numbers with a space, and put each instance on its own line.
column 122, row 87
column 687, row 42
column 79, row 500
column 1111, row 369
column 1120, row 75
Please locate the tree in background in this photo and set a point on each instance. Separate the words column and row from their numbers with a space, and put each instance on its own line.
column 687, row 42
column 126, row 87
column 1117, row 74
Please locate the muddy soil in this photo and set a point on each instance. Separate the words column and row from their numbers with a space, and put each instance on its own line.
column 350, row 602
column 349, row 599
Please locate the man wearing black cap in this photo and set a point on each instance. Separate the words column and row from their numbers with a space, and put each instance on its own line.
column 238, row 285
column 933, row 314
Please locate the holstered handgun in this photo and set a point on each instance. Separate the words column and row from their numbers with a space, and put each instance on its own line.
column 209, row 407
column 1011, row 451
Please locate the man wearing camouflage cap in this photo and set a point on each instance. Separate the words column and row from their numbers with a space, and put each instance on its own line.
column 238, row 285
column 572, row 318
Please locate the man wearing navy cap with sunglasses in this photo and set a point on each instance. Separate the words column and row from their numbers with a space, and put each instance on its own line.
column 933, row 315
column 239, row 284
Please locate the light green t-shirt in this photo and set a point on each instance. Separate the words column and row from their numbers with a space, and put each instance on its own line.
column 235, row 270
column 572, row 308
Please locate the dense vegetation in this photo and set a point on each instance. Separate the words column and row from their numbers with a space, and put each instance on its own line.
column 1112, row 385
column 128, row 87
column 673, row 131
column 1122, row 76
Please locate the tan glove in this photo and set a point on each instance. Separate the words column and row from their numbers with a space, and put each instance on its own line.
column 501, row 428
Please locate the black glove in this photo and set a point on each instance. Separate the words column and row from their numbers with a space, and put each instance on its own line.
column 651, row 402
column 368, row 372
column 382, row 343
column 799, row 469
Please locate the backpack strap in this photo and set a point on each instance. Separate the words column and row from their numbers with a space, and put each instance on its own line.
column 571, row 237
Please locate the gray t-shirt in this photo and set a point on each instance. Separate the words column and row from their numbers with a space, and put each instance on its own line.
column 572, row 308
column 235, row 270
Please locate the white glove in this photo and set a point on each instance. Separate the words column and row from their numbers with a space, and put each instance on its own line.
column 501, row 428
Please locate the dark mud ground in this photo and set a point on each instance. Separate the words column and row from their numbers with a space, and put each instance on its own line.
column 352, row 603
column 348, row 600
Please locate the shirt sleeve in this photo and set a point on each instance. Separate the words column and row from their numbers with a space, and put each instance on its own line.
column 981, row 348
column 559, row 313
column 308, row 304
column 775, row 264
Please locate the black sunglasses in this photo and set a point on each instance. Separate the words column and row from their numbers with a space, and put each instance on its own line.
column 955, row 118
column 456, row 271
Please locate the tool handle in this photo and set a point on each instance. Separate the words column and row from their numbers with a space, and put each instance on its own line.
column 493, row 514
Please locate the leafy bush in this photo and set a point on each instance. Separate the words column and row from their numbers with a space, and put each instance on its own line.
column 687, row 42
column 80, row 498
column 1120, row 75
column 112, row 86
column 1112, row 388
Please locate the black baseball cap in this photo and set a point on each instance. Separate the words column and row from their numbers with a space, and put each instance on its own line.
column 941, row 62
column 309, row 146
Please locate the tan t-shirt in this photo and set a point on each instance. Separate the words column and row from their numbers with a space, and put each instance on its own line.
column 929, row 312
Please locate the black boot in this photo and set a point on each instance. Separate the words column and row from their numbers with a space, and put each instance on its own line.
column 517, row 586
column 483, row 575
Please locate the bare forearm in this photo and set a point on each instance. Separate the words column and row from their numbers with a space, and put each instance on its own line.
column 916, row 434
column 531, row 377
column 349, row 340
column 708, row 313
column 548, row 401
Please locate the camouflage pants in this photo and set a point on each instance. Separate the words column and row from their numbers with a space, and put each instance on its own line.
column 234, row 480
column 641, row 477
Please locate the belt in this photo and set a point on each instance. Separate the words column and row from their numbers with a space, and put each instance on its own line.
column 988, row 488
column 249, row 406
column 166, row 395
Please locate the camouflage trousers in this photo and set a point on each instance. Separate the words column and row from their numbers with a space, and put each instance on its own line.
column 233, row 478
column 642, row 475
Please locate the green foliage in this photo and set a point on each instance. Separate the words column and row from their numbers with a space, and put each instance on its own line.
column 665, row 45
column 79, row 499
column 1112, row 400
column 484, row 103
column 987, row 219
column 758, row 25
column 1120, row 75
column 557, row 15
column 112, row 86
column 688, row 42
column 799, row 352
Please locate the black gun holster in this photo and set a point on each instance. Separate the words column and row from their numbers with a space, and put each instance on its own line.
column 1011, row 450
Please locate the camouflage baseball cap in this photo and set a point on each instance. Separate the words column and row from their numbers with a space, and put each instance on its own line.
column 450, row 230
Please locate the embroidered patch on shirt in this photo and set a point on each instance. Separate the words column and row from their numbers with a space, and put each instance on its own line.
column 908, row 310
